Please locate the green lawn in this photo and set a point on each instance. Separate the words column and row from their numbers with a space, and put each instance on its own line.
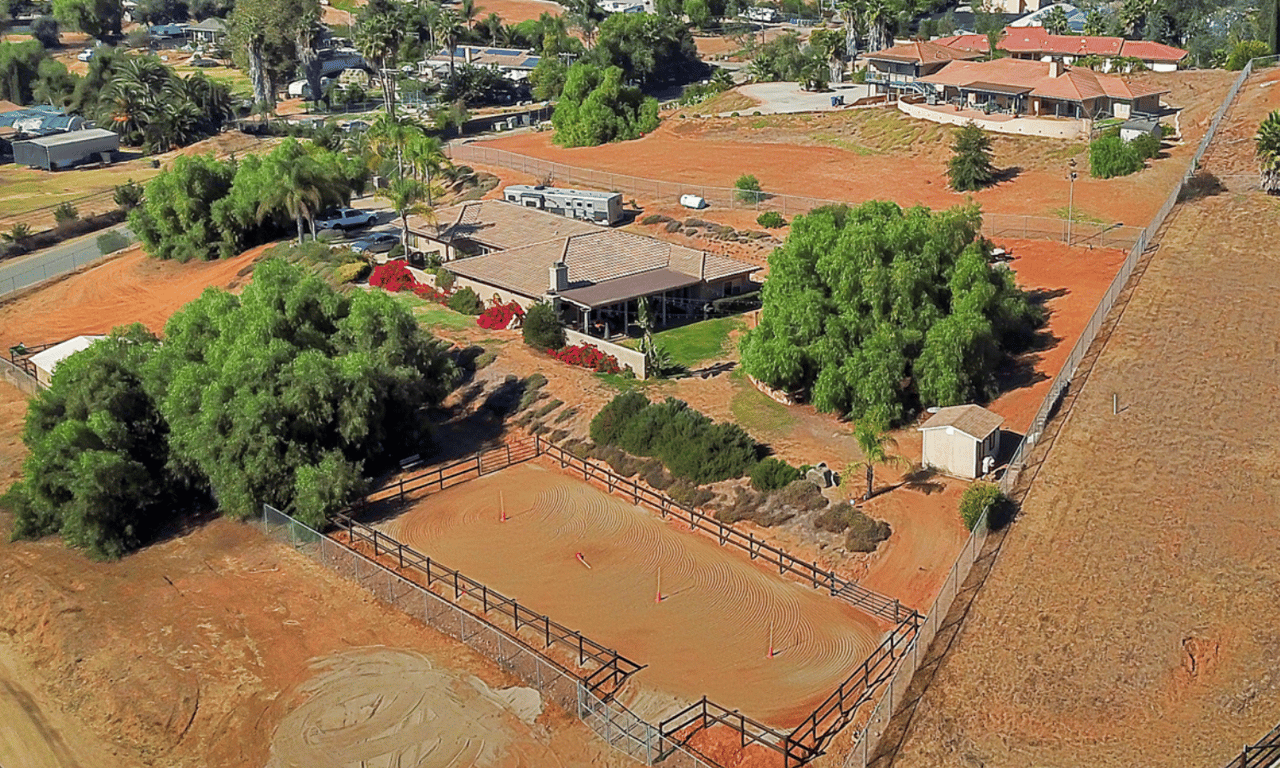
column 699, row 343
column 765, row 418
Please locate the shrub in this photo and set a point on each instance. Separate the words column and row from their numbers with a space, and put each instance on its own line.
column 110, row 242
column 748, row 187
column 500, row 317
column 1111, row 156
column 542, row 328
column 862, row 533
column 396, row 252
column 393, row 276
column 565, row 415
column 351, row 272
column 466, row 302
column 65, row 213
column 587, row 356
column 1147, row 146
column 548, row 408
column 771, row 220
column 689, row 495
column 1243, row 51
column 672, row 226
column 772, row 474
column 970, row 166
column 690, row 445
column 128, row 195
column 486, row 358
column 654, row 218
column 444, row 278
column 18, row 233
column 976, row 499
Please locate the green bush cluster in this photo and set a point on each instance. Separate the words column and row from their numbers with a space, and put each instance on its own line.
column 772, row 474
column 110, row 242
column 351, row 272
column 542, row 329
column 689, row 444
column 467, row 302
column 976, row 500
column 771, row 220
column 1111, row 156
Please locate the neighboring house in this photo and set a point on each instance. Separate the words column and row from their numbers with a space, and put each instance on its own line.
column 208, row 32
column 959, row 439
column 1013, row 6
column 1038, row 45
column 587, row 205
column 1040, row 89
column 513, row 62
column 896, row 69
column 64, row 150
column 622, row 6
column 485, row 226
column 596, row 280
column 46, row 362
column 1075, row 17
column 334, row 61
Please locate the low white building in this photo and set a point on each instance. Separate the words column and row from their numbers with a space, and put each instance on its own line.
column 46, row 361
column 962, row 440
column 584, row 204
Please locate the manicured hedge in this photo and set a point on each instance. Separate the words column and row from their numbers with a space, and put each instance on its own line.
column 689, row 444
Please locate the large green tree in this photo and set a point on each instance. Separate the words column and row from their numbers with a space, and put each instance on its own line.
column 290, row 392
column 19, row 68
column 596, row 108
column 176, row 219
column 970, row 167
column 98, row 469
column 650, row 50
column 874, row 310
column 96, row 18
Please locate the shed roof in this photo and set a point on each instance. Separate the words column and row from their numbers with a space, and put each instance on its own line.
column 973, row 420
column 209, row 25
column 73, row 137
column 48, row 359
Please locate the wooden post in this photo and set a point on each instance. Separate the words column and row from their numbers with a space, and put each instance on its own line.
column 400, row 551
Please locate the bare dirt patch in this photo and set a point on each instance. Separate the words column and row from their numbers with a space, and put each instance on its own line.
column 1133, row 602
column 129, row 288
column 516, row 11
column 710, row 633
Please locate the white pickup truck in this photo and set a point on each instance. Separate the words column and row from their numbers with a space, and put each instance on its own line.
column 345, row 218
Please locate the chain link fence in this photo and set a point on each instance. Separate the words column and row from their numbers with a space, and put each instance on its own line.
column 617, row 725
column 17, row 276
column 1108, row 235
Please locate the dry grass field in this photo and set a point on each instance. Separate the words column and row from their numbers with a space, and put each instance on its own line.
column 1130, row 618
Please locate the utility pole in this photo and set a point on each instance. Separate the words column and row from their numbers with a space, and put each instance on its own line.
column 1071, row 201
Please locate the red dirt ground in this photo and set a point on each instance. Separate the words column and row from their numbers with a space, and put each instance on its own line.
column 709, row 635
column 1130, row 618
column 129, row 288
column 516, row 11
column 904, row 161
column 1081, row 277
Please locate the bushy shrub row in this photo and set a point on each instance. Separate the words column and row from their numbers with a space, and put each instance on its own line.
column 394, row 276
column 689, row 444
column 1111, row 156
column 772, row 474
column 984, row 497
column 587, row 356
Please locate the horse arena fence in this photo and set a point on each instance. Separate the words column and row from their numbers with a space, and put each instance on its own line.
column 1263, row 754
column 993, row 224
column 510, row 633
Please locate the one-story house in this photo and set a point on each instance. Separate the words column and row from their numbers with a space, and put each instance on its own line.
column 513, row 62
column 46, row 361
column 895, row 69
column 1040, row 89
column 210, row 31
column 1035, row 44
column 961, row 440
column 485, row 226
column 1076, row 18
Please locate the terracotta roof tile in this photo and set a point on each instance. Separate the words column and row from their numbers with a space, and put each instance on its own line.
column 1073, row 84
column 923, row 52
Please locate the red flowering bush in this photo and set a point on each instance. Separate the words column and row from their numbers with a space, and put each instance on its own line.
column 587, row 356
column 393, row 276
column 500, row 317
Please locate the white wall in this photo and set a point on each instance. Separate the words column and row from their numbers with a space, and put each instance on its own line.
column 1022, row 126
column 627, row 357
column 953, row 454
column 486, row 292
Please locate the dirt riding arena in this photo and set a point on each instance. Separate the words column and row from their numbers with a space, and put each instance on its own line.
column 708, row 635
column 1130, row 618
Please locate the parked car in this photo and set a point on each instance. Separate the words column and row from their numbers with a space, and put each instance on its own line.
column 85, row 55
column 345, row 218
column 381, row 242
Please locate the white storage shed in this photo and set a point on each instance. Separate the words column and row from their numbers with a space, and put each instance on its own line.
column 959, row 440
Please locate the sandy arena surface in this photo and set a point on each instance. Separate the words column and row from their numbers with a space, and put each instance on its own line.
column 129, row 288
column 710, row 633
column 1130, row 618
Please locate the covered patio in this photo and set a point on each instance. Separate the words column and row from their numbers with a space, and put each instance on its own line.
column 607, row 309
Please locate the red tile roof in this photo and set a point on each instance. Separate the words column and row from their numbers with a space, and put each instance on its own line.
column 1073, row 84
column 977, row 43
column 1036, row 40
column 923, row 52
column 1152, row 51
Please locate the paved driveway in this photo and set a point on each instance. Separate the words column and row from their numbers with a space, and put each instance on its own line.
column 781, row 98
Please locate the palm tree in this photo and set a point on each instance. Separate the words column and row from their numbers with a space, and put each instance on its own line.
column 304, row 187
column 448, row 31
column 877, row 14
column 390, row 133
column 406, row 196
column 379, row 38
column 876, row 445
column 1268, row 141
column 426, row 153
column 851, row 11
column 467, row 10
